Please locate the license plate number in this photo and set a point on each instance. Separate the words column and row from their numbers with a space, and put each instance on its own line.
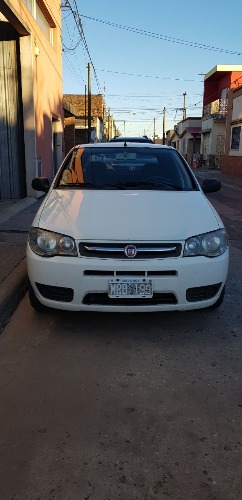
column 130, row 288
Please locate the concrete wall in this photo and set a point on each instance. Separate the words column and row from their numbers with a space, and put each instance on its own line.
column 41, row 80
column 232, row 160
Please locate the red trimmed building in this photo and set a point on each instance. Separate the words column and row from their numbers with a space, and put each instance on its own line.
column 218, row 82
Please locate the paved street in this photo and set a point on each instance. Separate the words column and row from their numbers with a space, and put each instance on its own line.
column 109, row 406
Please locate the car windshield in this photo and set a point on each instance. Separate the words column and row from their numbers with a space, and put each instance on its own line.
column 125, row 168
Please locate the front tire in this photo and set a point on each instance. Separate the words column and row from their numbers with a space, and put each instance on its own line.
column 35, row 303
column 219, row 301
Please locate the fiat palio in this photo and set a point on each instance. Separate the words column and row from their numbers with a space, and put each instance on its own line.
column 126, row 227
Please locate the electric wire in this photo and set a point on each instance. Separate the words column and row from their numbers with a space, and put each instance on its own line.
column 149, row 76
column 163, row 37
column 79, row 25
column 82, row 39
column 75, row 74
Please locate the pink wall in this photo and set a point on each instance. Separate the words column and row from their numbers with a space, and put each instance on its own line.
column 46, row 70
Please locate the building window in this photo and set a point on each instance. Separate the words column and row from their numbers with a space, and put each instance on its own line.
column 44, row 24
column 37, row 13
column 235, row 140
column 30, row 5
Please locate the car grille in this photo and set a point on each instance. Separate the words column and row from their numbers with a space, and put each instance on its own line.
column 104, row 300
column 58, row 293
column 116, row 250
column 130, row 273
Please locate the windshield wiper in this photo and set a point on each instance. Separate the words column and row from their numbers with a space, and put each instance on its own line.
column 80, row 185
column 120, row 185
column 147, row 185
column 165, row 184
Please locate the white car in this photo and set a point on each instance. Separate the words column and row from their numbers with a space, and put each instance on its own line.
column 126, row 227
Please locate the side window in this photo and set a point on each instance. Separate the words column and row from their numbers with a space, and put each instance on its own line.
column 235, row 138
column 72, row 171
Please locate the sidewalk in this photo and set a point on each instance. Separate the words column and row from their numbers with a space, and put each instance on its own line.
column 15, row 220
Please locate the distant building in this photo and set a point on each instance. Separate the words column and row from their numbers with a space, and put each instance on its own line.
column 169, row 136
column 186, row 138
column 31, row 114
column 79, row 104
column 217, row 83
column 232, row 159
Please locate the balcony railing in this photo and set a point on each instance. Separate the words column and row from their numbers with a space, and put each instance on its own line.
column 215, row 108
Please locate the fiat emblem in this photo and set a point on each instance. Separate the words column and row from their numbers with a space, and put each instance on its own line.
column 130, row 251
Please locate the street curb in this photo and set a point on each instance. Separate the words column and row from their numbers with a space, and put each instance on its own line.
column 12, row 290
column 16, row 208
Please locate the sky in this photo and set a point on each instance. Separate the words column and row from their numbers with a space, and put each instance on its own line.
column 146, row 55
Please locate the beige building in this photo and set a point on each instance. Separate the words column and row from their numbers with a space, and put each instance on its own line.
column 31, row 116
column 186, row 138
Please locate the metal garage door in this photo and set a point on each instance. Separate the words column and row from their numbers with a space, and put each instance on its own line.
column 12, row 174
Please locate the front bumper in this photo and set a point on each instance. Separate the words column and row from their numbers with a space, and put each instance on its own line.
column 88, row 278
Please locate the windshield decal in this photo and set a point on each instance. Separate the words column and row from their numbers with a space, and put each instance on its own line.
column 74, row 172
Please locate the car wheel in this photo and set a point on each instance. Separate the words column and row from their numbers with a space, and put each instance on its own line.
column 219, row 301
column 35, row 303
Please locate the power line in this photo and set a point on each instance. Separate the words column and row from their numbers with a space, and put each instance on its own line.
column 149, row 76
column 161, row 95
column 78, row 22
column 73, row 69
column 163, row 37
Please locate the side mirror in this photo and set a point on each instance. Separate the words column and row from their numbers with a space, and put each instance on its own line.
column 41, row 184
column 211, row 185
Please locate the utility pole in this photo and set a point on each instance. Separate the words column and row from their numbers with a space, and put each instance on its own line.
column 109, row 123
column 89, row 104
column 85, row 105
column 164, row 126
column 184, row 106
column 154, row 131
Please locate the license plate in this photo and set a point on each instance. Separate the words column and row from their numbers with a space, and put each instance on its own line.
column 130, row 288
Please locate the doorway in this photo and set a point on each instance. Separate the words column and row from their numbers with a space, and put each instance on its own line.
column 12, row 163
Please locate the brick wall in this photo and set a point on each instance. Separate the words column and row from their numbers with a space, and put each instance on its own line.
column 232, row 165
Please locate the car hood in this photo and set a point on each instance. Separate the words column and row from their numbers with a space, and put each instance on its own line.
column 100, row 215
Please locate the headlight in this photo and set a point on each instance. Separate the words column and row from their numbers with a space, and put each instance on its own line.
column 49, row 244
column 207, row 244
